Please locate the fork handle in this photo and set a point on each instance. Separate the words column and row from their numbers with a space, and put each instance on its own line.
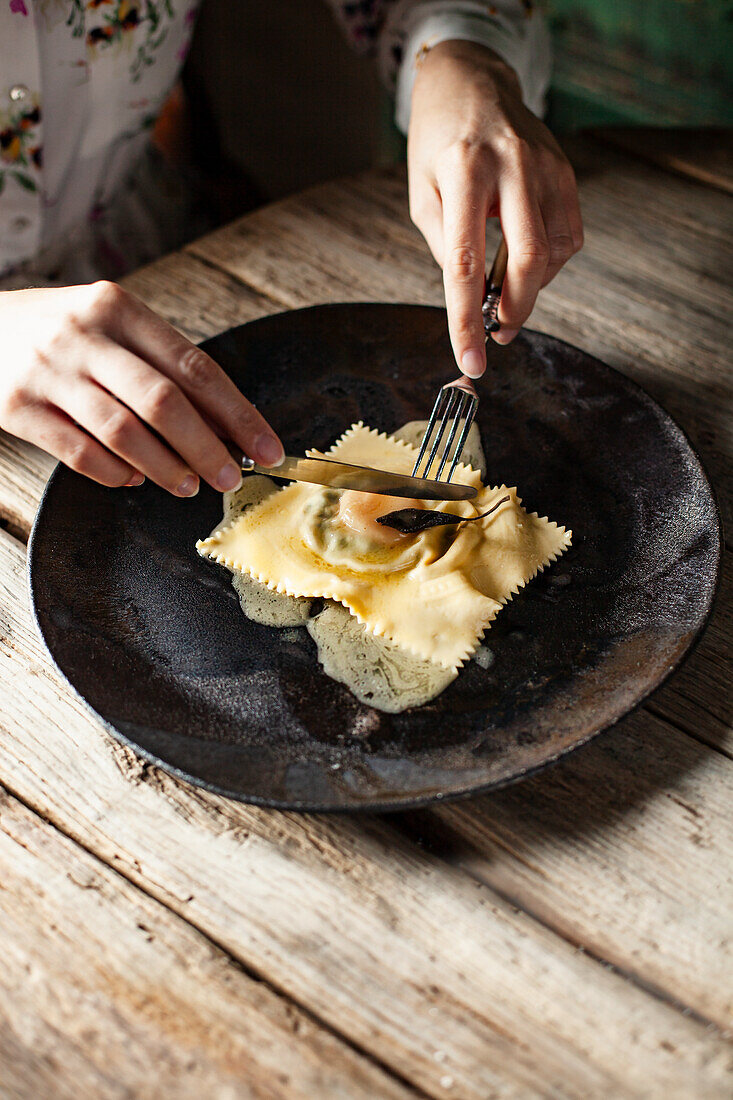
column 492, row 289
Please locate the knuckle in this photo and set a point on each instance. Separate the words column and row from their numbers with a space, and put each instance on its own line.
column 466, row 150
column 520, row 151
column 161, row 400
column 82, row 455
column 104, row 299
column 504, row 145
column 14, row 402
column 466, row 159
column 117, row 430
column 532, row 254
column 567, row 184
column 195, row 369
column 245, row 423
column 464, row 263
column 561, row 248
column 551, row 160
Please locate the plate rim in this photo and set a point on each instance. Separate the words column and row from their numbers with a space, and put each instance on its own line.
column 397, row 804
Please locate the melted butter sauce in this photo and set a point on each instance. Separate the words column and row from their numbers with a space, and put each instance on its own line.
column 378, row 673
column 258, row 602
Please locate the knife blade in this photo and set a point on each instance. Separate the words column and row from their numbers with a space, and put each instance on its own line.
column 364, row 479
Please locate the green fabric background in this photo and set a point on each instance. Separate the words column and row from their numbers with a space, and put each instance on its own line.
column 647, row 62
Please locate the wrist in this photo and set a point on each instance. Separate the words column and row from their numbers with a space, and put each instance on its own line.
column 474, row 59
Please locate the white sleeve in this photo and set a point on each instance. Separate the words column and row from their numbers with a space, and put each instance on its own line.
column 513, row 29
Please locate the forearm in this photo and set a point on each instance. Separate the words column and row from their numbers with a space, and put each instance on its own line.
column 399, row 31
column 514, row 33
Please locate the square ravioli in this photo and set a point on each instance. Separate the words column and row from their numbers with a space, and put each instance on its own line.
column 433, row 594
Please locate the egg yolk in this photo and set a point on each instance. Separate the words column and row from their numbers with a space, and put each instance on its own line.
column 359, row 512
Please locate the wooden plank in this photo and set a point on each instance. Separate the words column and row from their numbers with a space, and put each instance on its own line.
column 106, row 993
column 347, row 240
column 352, row 238
column 24, row 471
column 701, row 154
column 647, row 294
column 624, row 848
column 443, row 980
column 196, row 298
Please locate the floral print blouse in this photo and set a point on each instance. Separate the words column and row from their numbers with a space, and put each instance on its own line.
column 83, row 81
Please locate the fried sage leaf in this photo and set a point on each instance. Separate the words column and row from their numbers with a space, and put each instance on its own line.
column 410, row 521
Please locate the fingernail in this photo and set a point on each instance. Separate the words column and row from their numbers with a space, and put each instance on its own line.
column 268, row 451
column 188, row 487
column 136, row 479
column 473, row 363
column 229, row 477
column 504, row 335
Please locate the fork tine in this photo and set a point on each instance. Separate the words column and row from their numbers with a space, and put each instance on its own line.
column 456, row 402
column 464, row 401
column 442, row 396
column 441, row 431
column 470, row 414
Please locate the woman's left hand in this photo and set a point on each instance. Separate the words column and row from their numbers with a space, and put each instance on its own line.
column 474, row 152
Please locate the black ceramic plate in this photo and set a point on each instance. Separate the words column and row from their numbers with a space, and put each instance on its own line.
column 152, row 637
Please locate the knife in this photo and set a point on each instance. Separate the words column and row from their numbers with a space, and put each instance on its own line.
column 343, row 475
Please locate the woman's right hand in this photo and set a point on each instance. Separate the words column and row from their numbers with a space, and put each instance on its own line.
column 92, row 375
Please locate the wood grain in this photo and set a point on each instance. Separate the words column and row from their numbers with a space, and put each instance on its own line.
column 648, row 293
column 404, row 937
column 388, row 944
column 701, row 154
column 631, row 931
column 105, row 993
column 195, row 297
column 624, row 848
column 24, row 471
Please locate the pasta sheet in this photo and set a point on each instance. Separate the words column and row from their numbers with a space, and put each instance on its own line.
column 433, row 594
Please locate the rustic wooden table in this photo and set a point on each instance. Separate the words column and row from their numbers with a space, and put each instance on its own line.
column 567, row 937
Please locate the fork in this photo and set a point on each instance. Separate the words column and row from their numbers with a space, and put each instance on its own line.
column 456, row 401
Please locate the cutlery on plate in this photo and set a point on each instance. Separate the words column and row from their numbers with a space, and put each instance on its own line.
column 364, row 479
